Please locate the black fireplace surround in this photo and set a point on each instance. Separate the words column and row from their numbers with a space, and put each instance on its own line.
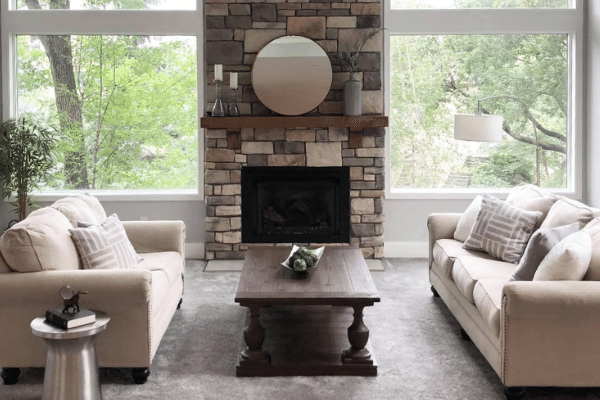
column 295, row 205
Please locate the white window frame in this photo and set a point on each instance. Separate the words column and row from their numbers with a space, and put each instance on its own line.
column 497, row 21
column 15, row 22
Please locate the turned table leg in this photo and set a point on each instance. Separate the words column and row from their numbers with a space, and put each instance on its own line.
column 254, row 336
column 358, row 335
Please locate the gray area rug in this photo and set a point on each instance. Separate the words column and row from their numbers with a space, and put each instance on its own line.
column 415, row 338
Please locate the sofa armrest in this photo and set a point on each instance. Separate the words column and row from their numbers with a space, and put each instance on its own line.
column 550, row 333
column 104, row 287
column 441, row 226
column 156, row 236
column 125, row 295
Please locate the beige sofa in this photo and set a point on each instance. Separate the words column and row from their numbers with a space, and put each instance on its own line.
column 38, row 257
column 533, row 333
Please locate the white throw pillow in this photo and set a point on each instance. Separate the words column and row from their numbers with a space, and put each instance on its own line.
column 105, row 246
column 467, row 220
column 568, row 260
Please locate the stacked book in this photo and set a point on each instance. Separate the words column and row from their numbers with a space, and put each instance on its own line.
column 55, row 316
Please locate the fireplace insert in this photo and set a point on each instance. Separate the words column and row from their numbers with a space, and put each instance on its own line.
column 295, row 205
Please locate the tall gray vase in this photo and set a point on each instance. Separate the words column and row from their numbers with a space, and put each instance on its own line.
column 352, row 96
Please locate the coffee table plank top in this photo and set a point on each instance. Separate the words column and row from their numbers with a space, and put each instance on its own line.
column 341, row 278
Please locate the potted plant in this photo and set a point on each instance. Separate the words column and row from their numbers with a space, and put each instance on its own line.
column 26, row 157
column 348, row 60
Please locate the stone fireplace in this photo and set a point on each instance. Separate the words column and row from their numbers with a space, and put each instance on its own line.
column 235, row 31
column 309, row 147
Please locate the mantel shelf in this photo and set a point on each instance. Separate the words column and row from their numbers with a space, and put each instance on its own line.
column 317, row 121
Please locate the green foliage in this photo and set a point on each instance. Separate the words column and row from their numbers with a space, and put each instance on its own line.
column 435, row 77
column 138, row 98
column 504, row 168
column 25, row 159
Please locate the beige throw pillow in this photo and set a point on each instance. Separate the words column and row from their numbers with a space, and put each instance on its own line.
column 41, row 242
column 80, row 208
column 566, row 211
column 531, row 198
column 568, row 260
column 105, row 246
column 467, row 220
column 501, row 230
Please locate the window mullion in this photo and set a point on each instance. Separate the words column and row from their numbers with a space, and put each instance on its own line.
column 130, row 22
column 482, row 21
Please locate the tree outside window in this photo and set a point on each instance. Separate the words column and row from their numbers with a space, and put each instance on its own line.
column 435, row 77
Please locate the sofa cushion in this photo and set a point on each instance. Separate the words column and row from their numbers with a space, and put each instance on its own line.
column 81, row 208
column 502, row 230
column 466, row 271
column 567, row 211
column 488, row 300
column 467, row 220
column 568, row 260
column 41, row 242
column 445, row 252
column 160, row 291
column 532, row 198
column 169, row 262
column 4, row 268
column 540, row 244
column 593, row 272
column 524, row 192
column 105, row 245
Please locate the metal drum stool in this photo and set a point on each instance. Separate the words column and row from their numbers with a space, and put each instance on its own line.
column 71, row 365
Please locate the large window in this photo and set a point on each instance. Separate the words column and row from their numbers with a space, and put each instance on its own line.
column 122, row 96
column 529, row 74
column 450, row 4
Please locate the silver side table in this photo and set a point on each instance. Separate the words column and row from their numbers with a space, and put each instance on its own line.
column 71, row 365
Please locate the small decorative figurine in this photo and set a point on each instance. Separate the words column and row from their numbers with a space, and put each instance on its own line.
column 71, row 299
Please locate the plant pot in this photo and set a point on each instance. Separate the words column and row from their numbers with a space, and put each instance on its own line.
column 352, row 97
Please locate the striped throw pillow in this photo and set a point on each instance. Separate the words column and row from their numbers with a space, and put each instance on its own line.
column 501, row 230
column 104, row 246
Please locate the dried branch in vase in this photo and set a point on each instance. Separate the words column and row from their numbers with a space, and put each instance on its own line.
column 348, row 58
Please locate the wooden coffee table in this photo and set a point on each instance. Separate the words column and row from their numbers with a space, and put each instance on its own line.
column 302, row 324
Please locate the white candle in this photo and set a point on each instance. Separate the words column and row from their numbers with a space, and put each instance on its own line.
column 218, row 72
column 233, row 80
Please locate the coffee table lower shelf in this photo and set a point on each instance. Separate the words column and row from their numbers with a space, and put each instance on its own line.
column 305, row 341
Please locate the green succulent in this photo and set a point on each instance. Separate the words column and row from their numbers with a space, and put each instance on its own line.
column 308, row 259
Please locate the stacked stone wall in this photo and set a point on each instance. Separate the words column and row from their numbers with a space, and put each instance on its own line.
column 235, row 31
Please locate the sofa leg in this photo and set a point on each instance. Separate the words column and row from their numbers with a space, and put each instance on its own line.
column 514, row 393
column 464, row 335
column 179, row 304
column 140, row 375
column 435, row 293
column 10, row 375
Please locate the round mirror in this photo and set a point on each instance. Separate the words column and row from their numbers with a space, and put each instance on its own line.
column 291, row 75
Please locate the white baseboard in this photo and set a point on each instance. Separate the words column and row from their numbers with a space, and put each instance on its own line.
column 194, row 251
column 406, row 250
column 390, row 250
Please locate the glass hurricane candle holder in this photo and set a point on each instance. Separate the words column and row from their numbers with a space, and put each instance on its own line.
column 233, row 107
column 218, row 109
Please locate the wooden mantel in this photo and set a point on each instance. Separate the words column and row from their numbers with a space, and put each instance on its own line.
column 355, row 125
column 317, row 121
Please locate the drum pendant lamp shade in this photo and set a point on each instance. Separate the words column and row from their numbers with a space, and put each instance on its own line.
column 481, row 128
